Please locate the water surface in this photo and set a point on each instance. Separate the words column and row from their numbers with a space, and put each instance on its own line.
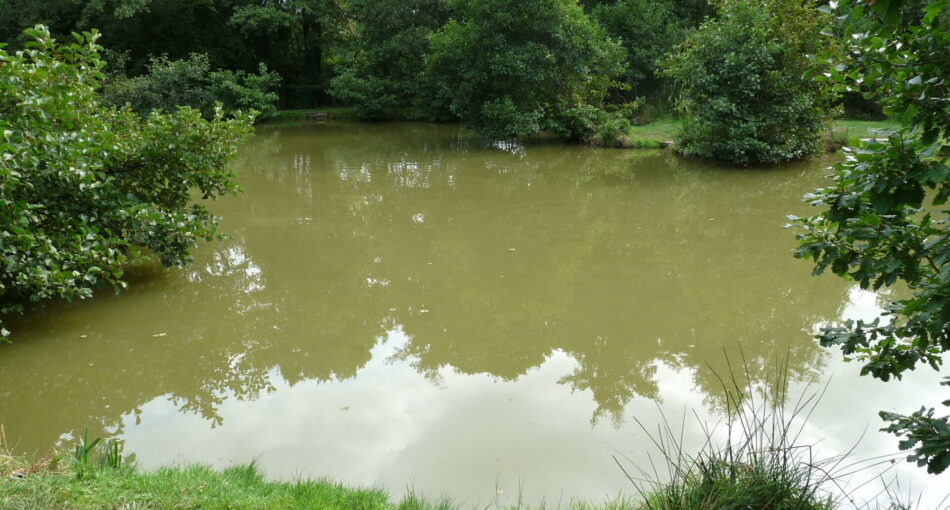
column 407, row 305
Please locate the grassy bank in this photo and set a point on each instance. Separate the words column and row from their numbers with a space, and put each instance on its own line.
column 193, row 487
column 742, row 476
column 864, row 128
column 91, row 477
column 245, row 488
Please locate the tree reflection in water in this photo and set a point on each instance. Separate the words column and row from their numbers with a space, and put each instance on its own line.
column 614, row 266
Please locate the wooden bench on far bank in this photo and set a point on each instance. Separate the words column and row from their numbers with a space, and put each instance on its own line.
column 317, row 116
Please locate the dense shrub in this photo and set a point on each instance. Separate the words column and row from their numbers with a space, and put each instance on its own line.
column 167, row 84
column 191, row 82
column 240, row 90
column 516, row 67
column 612, row 131
column 85, row 188
column 747, row 96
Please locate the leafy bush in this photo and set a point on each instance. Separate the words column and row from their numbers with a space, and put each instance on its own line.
column 884, row 218
column 593, row 125
column 370, row 96
column 927, row 436
column 746, row 93
column 240, row 90
column 168, row 83
column 516, row 67
column 580, row 122
column 84, row 187
column 190, row 82
column 612, row 131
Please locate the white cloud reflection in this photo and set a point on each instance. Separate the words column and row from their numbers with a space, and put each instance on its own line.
column 468, row 435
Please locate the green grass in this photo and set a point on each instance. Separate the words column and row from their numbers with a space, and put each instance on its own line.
column 864, row 128
column 195, row 487
column 754, row 477
column 192, row 487
column 660, row 129
column 666, row 129
column 643, row 143
column 92, row 479
column 754, row 472
column 759, row 466
column 244, row 487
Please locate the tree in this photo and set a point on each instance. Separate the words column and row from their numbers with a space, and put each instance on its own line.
column 295, row 39
column 885, row 217
column 191, row 82
column 20, row 13
column 648, row 30
column 745, row 95
column 386, row 78
column 85, row 188
column 516, row 67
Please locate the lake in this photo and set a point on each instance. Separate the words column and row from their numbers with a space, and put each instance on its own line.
column 410, row 306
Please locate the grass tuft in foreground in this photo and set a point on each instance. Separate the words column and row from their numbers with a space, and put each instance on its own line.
column 760, row 463
column 191, row 487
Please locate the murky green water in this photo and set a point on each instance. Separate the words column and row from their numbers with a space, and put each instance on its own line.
column 406, row 305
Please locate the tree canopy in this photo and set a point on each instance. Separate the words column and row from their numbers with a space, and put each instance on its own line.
column 191, row 82
column 297, row 39
column 515, row 67
column 385, row 78
column 648, row 30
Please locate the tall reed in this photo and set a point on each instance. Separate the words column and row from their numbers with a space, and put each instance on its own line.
column 759, row 462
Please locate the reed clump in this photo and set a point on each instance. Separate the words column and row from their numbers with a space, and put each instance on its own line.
column 756, row 459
